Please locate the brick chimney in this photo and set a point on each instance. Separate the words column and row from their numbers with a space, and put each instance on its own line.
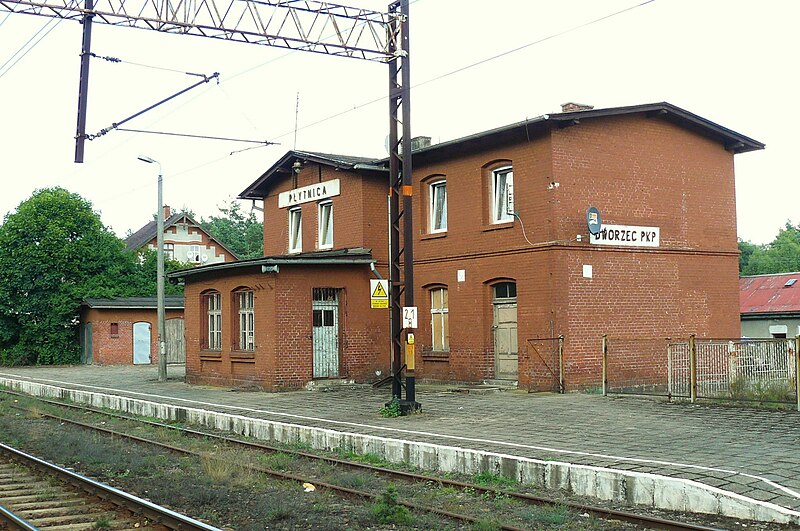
column 420, row 142
column 575, row 107
column 167, row 211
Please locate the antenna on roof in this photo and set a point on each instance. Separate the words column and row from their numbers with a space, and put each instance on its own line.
column 296, row 113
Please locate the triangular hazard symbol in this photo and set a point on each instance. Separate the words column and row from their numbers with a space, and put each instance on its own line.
column 379, row 292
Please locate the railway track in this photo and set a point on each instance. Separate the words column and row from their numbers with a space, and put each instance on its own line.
column 35, row 494
column 645, row 521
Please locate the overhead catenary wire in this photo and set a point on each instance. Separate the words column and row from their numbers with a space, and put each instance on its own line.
column 478, row 63
column 425, row 82
column 46, row 24
column 382, row 98
column 203, row 137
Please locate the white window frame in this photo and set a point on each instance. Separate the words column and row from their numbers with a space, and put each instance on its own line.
column 295, row 230
column 444, row 340
column 169, row 251
column 194, row 254
column 437, row 191
column 500, row 199
column 245, row 302
column 325, row 222
column 214, row 320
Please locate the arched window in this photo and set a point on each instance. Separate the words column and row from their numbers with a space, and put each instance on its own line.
column 504, row 290
column 438, row 206
column 502, row 194
column 440, row 329
column 244, row 303
column 212, row 332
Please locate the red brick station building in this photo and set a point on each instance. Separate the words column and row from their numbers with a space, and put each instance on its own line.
column 503, row 254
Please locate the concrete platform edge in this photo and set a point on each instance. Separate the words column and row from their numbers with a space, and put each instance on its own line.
column 624, row 486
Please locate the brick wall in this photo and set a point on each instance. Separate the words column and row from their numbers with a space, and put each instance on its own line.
column 108, row 349
column 359, row 212
column 637, row 171
column 283, row 356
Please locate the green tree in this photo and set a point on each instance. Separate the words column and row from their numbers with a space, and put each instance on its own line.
column 55, row 252
column 241, row 232
column 782, row 255
column 746, row 251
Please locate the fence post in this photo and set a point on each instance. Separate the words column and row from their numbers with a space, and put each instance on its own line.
column 561, row 364
column 692, row 369
column 797, row 369
column 605, row 364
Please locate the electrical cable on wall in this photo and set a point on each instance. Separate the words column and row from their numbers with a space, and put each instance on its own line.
column 516, row 215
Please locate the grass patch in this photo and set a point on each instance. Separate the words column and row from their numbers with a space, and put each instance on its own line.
column 387, row 511
column 758, row 391
column 277, row 461
column 549, row 515
column 103, row 522
column 488, row 479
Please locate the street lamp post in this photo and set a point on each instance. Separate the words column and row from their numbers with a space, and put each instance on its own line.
column 162, row 351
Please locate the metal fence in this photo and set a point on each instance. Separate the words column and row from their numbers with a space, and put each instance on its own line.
column 544, row 363
column 757, row 370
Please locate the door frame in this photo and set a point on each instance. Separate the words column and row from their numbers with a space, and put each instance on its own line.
column 497, row 303
column 320, row 301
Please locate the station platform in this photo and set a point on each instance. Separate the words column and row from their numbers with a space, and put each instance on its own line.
column 742, row 463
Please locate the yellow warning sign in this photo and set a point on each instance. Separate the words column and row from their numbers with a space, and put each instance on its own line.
column 379, row 293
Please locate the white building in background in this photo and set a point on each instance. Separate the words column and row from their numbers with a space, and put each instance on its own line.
column 184, row 240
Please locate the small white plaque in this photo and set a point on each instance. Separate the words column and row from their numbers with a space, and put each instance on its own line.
column 409, row 316
column 461, row 275
column 587, row 271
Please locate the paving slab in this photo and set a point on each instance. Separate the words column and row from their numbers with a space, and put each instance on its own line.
column 746, row 456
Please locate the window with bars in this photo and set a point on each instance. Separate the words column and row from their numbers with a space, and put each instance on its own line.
column 295, row 230
column 325, row 217
column 438, row 206
column 245, row 304
column 212, row 337
column 440, row 329
column 502, row 194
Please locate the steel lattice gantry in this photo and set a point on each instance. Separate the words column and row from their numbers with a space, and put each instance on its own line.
column 304, row 25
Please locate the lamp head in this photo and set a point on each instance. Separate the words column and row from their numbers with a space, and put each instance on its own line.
column 147, row 159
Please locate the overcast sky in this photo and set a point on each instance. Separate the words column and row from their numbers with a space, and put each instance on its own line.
column 731, row 61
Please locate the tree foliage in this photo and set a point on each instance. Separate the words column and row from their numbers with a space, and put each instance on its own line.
column 55, row 252
column 782, row 255
column 241, row 232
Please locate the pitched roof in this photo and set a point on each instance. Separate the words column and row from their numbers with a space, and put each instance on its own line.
column 172, row 302
column 352, row 255
column 769, row 294
column 731, row 140
column 139, row 239
column 258, row 189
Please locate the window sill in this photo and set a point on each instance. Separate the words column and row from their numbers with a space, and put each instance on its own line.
column 213, row 354
column 498, row 226
column 243, row 354
column 433, row 235
column 436, row 355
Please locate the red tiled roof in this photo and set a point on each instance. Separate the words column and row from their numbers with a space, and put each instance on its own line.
column 769, row 294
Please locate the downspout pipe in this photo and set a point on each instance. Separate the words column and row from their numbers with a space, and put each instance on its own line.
column 375, row 270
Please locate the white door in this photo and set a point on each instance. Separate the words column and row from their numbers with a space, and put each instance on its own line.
column 505, row 331
column 141, row 343
column 325, row 322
